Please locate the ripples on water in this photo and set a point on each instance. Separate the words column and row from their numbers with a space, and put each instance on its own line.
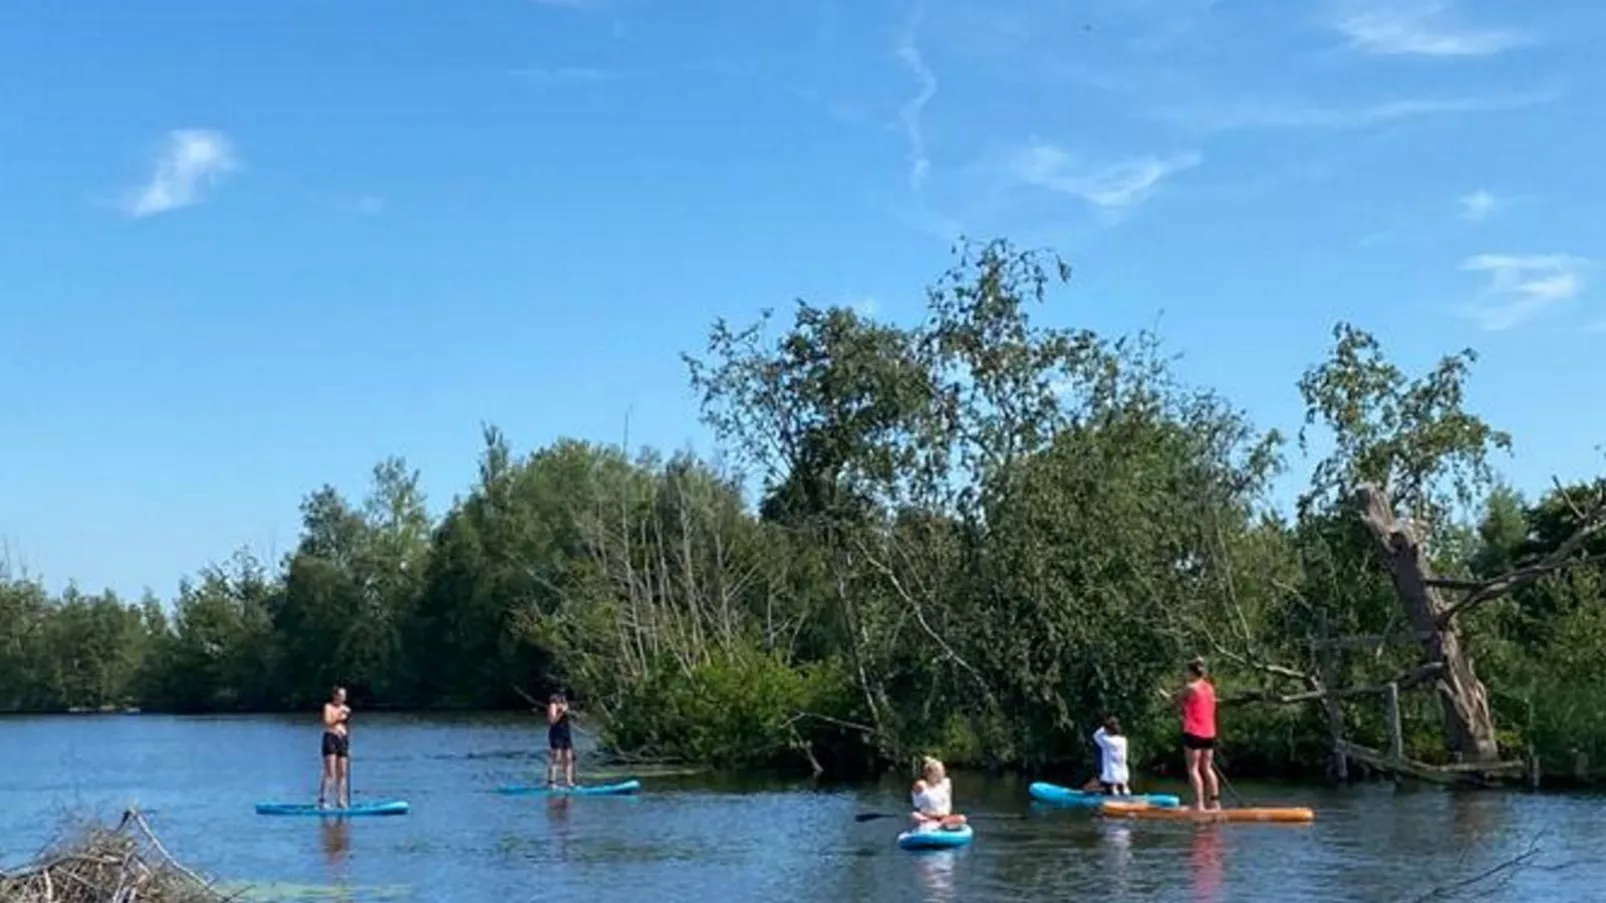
column 711, row 841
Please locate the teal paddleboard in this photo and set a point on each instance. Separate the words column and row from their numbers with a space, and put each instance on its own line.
column 1065, row 796
column 619, row 789
column 377, row 807
column 938, row 839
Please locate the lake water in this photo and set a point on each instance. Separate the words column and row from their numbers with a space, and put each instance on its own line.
column 715, row 840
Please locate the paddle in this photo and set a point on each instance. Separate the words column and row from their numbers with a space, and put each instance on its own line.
column 872, row 816
column 1222, row 777
column 527, row 697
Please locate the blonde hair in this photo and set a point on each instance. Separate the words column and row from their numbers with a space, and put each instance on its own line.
column 929, row 764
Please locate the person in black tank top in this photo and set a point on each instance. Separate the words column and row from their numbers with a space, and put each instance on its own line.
column 559, row 740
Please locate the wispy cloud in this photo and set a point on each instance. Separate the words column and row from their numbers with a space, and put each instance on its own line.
column 1521, row 287
column 1273, row 115
column 191, row 164
column 1479, row 205
column 1421, row 28
column 1117, row 185
column 908, row 51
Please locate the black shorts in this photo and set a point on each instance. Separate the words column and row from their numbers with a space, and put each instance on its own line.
column 337, row 745
column 1189, row 741
column 559, row 739
column 1107, row 788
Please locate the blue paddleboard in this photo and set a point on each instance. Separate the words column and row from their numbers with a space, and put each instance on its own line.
column 1065, row 796
column 377, row 807
column 939, row 839
column 619, row 789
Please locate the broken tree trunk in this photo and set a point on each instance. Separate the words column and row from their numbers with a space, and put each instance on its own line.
column 1468, row 725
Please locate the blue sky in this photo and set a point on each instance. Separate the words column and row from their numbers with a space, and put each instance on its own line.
column 253, row 247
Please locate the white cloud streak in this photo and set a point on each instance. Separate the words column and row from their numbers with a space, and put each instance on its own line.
column 1479, row 205
column 193, row 162
column 1275, row 116
column 908, row 51
column 1117, row 185
column 1427, row 28
column 1521, row 287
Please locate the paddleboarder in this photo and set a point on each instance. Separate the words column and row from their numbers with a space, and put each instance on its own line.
column 1197, row 700
column 1114, row 776
column 559, row 741
column 336, row 750
column 933, row 798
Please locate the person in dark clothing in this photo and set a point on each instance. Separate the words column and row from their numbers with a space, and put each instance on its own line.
column 559, row 741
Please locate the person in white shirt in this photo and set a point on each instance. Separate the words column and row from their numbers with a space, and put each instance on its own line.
column 1114, row 776
column 933, row 798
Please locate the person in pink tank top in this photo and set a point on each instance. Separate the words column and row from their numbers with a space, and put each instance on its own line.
column 1197, row 700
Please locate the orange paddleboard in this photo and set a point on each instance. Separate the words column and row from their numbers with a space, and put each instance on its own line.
column 1292, row 815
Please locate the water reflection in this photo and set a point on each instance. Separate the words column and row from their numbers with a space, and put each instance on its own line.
column 1117, row 854
column 935, row 873
column 335, row 834
column 1206, row 859
column 557, row 816
column 1475, row 818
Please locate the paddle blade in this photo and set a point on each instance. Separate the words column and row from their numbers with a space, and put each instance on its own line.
column 871, row 816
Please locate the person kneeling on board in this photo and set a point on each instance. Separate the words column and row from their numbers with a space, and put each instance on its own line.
column 1114, row 776
column 933, row 798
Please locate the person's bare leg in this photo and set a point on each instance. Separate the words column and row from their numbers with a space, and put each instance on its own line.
column 554, row 761
column 568, row 766
column 326, row 780
column 1196, row 779
column 1207, row 767
column 344, row 764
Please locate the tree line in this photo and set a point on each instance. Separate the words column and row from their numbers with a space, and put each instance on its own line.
column 973, row 536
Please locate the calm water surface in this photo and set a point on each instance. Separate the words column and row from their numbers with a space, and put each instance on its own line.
column 712, row 840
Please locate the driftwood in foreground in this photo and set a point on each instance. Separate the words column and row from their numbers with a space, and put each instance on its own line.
column 125, row 864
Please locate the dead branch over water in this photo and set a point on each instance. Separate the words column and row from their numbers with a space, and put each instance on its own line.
column 1495, row 878
column 125, row 864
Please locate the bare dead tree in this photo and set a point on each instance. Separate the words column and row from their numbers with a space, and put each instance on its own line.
column 1468, row 725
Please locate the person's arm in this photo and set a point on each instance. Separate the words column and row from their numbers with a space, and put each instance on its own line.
column 1101, row 738
column 331, row 715
column 914, row 800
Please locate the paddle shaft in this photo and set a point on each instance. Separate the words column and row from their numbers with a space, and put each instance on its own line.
column 1222, row 777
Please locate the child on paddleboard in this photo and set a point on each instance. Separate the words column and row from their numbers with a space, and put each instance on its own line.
column 559, row 741
column 933, row 798
column 1114, row 776
column 1197, row 701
